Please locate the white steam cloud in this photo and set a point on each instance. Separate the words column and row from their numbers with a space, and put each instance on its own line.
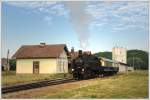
column 80, row 20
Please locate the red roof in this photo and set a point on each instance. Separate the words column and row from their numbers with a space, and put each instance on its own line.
column 40, row 51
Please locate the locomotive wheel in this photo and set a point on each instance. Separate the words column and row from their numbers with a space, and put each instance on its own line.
column 87, row 75
column 75, row 75
column 92, row 74
column 101, row 75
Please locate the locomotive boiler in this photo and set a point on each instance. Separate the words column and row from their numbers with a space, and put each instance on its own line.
column 87, row 66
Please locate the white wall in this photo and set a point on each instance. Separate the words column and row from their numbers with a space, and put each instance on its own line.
column 122, row 68
column 46, row 65
column 119, row 54
column 62, row 63
column 24, row 66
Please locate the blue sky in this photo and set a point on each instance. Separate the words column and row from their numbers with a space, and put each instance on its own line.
column 95, row 26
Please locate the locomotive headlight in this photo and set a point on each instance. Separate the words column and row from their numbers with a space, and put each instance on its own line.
column 83, row 69
column 72, row 69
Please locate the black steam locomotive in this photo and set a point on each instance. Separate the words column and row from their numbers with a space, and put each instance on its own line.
column 89, row 66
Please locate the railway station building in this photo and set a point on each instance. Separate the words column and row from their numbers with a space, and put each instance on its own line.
column 42, row 59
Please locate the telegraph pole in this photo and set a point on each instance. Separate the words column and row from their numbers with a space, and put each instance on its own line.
column 8, row 67
column 133, row 62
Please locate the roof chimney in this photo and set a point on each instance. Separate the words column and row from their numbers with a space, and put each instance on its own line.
column 42, row 44
column 72, row 50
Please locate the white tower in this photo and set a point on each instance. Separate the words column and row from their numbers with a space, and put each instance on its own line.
column 119, row 54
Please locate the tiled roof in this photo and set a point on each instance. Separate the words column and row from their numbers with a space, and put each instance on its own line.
column 40, row 51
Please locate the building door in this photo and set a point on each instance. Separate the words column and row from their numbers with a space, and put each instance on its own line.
column 35, row 67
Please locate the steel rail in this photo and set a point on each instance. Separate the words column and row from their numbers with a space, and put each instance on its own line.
column 33, row 85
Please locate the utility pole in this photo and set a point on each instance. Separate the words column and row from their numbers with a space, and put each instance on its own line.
column 8, row 67
column 133, row 62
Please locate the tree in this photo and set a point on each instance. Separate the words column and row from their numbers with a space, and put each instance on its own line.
column 12, row 63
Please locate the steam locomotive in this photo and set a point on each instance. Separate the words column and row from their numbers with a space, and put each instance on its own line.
column 89, row 66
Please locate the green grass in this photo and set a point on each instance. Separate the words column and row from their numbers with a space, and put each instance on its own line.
column 127, row 85
column 11, row 78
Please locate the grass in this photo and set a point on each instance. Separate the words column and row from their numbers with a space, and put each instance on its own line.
column 11, row 78
column 127, row 85
column 131, row 85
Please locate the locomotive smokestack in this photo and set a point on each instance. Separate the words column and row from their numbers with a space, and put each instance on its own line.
column 80, row 53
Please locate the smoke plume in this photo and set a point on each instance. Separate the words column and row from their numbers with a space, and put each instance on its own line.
column 80, row 21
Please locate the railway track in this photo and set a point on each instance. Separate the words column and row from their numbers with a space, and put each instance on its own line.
column 44, row 83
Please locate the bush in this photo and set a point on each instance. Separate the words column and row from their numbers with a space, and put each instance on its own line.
column 12, row 63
